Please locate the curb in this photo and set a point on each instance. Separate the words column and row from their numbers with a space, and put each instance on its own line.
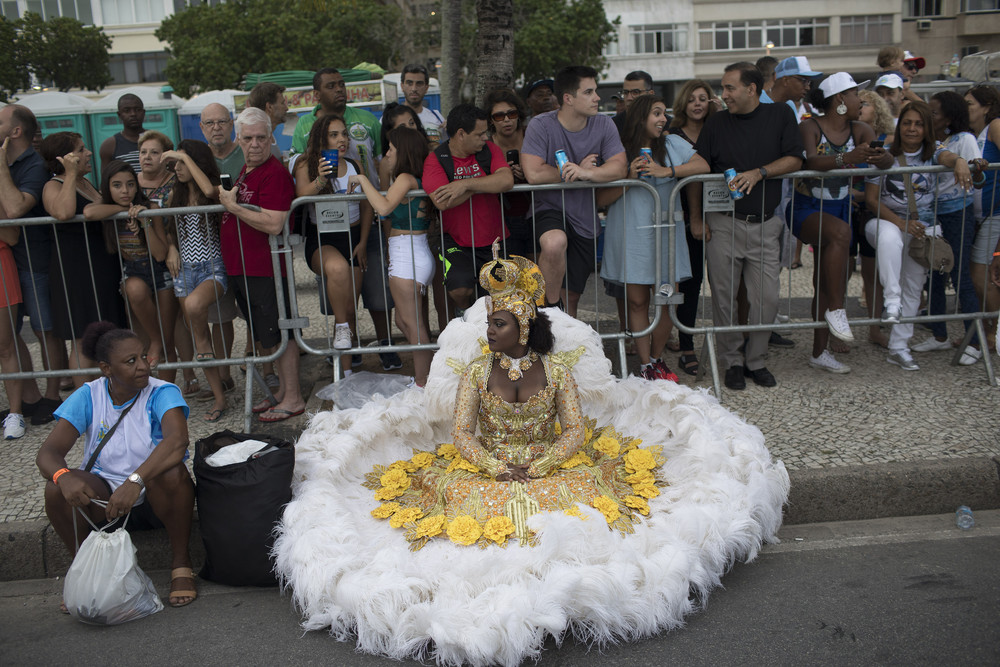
column 31, row 549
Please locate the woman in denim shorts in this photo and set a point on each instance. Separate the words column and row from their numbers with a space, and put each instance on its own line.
column 195, row 255
column 142, row 245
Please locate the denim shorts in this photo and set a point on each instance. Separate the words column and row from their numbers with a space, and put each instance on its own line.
column 153, row 273
column 35, row 300
column 195, row 273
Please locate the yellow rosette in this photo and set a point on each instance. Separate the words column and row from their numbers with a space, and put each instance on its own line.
column 608, row 507
column 405, row 516
column 498, row 528
column 385, row 510
column 608, row 446
column 464, row 530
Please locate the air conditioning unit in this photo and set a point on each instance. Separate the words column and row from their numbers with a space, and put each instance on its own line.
column 923, row 24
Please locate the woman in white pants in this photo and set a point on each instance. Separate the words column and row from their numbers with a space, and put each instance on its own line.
column 892, row 228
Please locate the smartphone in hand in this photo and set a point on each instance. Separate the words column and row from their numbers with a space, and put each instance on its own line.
column 227, row 181
column 513, row 156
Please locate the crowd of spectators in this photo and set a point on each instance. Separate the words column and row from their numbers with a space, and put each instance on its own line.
column 185, row 278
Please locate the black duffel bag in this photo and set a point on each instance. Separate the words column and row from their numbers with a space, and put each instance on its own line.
column 239, row 506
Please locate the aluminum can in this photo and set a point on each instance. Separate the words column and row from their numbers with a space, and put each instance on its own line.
column 561, row 160
column 730, row 175
column 648, row 153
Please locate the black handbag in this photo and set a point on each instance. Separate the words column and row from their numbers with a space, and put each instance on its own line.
column 239, row 506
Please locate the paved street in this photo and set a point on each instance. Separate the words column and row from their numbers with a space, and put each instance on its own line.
column 898, row 591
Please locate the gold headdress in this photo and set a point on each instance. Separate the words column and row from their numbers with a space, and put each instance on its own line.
column 515, row 285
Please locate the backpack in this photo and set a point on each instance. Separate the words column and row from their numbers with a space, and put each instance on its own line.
column 443, row 154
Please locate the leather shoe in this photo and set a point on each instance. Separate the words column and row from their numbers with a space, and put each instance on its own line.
column 734, row 378
column 761, row 377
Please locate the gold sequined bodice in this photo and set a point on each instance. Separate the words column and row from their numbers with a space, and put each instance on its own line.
column 517, row 432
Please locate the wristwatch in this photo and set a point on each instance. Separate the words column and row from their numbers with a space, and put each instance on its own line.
column 763, row 172
column 135, row 479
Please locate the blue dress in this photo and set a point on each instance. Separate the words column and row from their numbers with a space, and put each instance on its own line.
column 630, row 236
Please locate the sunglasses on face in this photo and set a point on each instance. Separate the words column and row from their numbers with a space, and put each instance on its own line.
column 500, row 115
column 910, row 66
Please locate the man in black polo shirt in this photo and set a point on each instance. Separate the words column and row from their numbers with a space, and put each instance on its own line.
column 757, row 140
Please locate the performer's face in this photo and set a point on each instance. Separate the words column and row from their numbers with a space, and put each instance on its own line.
column 502, row 332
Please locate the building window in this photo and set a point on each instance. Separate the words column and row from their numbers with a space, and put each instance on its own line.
column 783, row 33
column 969, row 50
column 663, row 38
column 138, row 68
column 612, row 48
column 875, row 29
column 972, row 6
column 126, row 12
column 48, row 9
column 918, row 8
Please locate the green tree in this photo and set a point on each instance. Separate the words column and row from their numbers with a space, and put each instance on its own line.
column 65, row 52
column 551, row 34
column 215, row 47
column 14, row 74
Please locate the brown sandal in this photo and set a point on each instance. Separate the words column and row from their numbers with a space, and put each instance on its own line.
column 182, row 573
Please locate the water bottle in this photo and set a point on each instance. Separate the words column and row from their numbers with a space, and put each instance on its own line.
column 963, row 518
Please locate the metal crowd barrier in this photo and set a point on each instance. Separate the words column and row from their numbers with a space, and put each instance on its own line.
column 719, row 194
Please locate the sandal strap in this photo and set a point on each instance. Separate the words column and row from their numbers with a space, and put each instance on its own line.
column 181, row 573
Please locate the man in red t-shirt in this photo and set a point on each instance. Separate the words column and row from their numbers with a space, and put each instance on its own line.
column 256, row 208
column 468, row 197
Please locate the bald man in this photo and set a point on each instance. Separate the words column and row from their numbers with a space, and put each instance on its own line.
column 217, row 126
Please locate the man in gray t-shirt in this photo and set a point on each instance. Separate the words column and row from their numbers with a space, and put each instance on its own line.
column 566, row 221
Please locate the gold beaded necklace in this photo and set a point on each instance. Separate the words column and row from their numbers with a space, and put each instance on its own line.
column 516, row 367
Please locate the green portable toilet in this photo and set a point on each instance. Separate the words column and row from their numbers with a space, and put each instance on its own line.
column 161, row 115
column 62, row 112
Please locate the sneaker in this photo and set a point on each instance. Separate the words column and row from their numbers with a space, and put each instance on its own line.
column 970, row 356
column 761, row 377
column 342, row 338
column 903, row 360
column 13, row 426
column 837, row 321
column 664, row 370
column 891, row 314
column 650, row 372
column 932, row 344
column 734, row 378
column 828, row 362
column 390, row 360
column 779, row 341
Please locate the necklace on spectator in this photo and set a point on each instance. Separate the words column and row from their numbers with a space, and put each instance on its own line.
column 515, row 367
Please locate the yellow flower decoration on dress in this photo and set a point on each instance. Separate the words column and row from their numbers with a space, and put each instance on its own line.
column 447, row 450
column 461, row 464
column 406, row 466
column 608, row 446
column 575, row 511
column 431, row 526
column 385, row 510
column 516, row 286
column 607, row 507
column 388, row 493
column 464, row 530
column 498, row 528
column 646, row 490
column 578, row 459
column 395, row 478
column 637, row 503
column 422, row 460
column 405, row 516
column 639, row 459
column 641, row 477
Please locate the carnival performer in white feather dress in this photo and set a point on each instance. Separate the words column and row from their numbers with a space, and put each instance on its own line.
column 606, row 510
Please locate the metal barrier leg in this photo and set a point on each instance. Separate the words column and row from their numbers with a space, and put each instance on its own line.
column 714, row 362
column 984, row 346
column 622, row 362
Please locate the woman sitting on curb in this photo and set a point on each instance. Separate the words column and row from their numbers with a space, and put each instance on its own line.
column 140, row 469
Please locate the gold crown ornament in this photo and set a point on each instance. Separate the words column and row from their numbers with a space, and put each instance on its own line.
column 515, row 285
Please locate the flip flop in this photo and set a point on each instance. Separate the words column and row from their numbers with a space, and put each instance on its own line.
column 215, row 415
column 206, row 394
column 264, row 406
column 182, row 573
column 282, row 415
column 191, row 387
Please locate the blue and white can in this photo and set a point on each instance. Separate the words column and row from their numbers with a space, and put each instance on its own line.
column 561, row 160
column 648, row 154
column 730, row 176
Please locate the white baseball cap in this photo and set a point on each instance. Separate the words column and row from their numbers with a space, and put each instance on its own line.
column 838, row 83
column 889, row 81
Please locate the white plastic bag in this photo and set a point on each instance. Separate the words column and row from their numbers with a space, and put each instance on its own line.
column 104, row 585
column 358, row 388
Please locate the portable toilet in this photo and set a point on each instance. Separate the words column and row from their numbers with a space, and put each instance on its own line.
column 60, row 112
column 161, row 115
column 63, row 112
column 190, row 112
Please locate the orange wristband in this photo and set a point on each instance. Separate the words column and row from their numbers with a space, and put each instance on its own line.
column 59, row 473
column 996, row 254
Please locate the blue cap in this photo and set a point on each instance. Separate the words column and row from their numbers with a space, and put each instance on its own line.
column 794, row 66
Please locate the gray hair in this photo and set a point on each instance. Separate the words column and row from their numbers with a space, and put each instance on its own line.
column 252, row 116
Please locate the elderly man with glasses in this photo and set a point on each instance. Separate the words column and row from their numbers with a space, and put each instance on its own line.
column 217, row 126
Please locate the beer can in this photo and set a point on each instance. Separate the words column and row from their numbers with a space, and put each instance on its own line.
column 648, row 154
column 730, row 175
column 561, row 160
